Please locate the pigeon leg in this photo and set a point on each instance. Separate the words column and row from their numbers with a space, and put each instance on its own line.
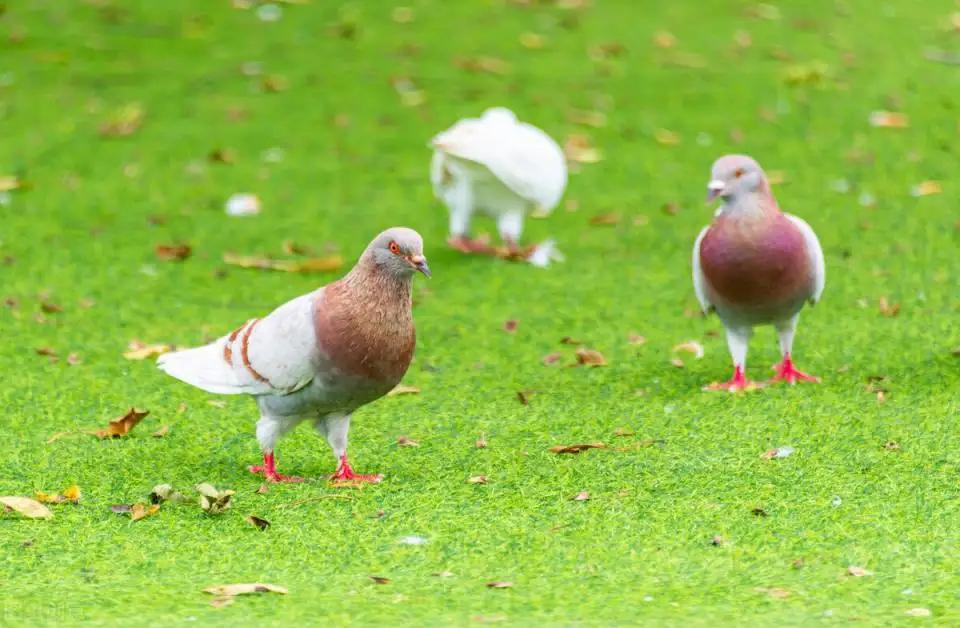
column 461, row 212
column 737, row 341
column 269, row 470
column 786, row 371
column 334, row 429
column 510, row 226
column 269, row 431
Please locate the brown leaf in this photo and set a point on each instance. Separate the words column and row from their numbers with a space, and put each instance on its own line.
column 275, row 83
column 575, row 449
column 582, row 496
column 567, row 340
column 677, row 362
column 777, row 593
column 29, row 508
column 46, row 351
column 262, row 489
column 889, row 120
column 610, row 218
column 230, row 590
column 499, row 585
column 551, row 358
column 891, row 445
column 858, row 572
column 259, row 523
column 622, row 432
column 73, row 359
column 636, row 339
column 124, row 121
column 664, row 39
column 596, row 119
column 50, row 308
column 926, row 188
column 140, row 351
column 510, row 326
column 320, row 264
column 289, row 247
column 797, row 564
column 666, row 138
column 478, row 479
column 489, row 65
column 886, row 309
column 759, row 512
column 121, row 426
column 717, row 540
column 590, row 357
column 9, row 183
column 222, row 156
column 482, row 442
column 442, row 574
column 522, row 397
column 380, row 579
column 403, row 441
column 403, row 389
column 172, row 252
column 163, row 431
column 141, row 511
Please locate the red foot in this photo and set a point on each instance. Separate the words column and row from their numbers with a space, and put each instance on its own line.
column 345, row 474
column 269, row 471
column 787, row 372
column 737, row 383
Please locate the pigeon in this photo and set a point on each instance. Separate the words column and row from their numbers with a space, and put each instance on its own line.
column 755, row 265
column 320, row 356
column 500, row 166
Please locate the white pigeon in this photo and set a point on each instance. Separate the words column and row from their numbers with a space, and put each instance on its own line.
column 755, row 265
column 499, row 166
column 320, row 356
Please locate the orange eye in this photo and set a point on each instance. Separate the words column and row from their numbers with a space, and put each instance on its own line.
column 738, row 172
column 394, row 248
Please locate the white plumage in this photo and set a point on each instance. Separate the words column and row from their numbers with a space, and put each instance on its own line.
column 499, row 166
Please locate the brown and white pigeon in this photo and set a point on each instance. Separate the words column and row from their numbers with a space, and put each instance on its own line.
column 755, row 265
column 320, row 356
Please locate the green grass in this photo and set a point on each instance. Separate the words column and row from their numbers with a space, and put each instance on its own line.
column 639, row 551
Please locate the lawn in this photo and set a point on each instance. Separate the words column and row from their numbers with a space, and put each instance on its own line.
column 686, row 522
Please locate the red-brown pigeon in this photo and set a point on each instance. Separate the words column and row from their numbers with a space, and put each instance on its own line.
column 755, row 265
column 320, row 356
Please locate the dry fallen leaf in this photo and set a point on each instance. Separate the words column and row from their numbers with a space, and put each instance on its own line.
column 222, row 156
column 442, row 574
column 172, row 252
column 636, row 339
column 889, row 120
column 891, row 445
column 596, row 119
column 622, row 432
column 690, row 347
column 380, row 579
column 29, row 508
column 575, row 449
column 664, row 39
column 70, row 494
column 579, row 149
column 499, row 585
column 319, row 264
column 141, row 511
column 124, row 121
column 478, row 479
column 163, row 431
column 582, row 496
column 259, row 523
column 777, row 593
column 214, row 501
column 522, row 397
column 590, row 357
column 230, row 590
column 567, row 340
column 140, row 351
column 858, row 572
column 121, row 426
column 9, row 183
column 403, row 441
column 217, row 403
column 403, row 389
column 510, row 326
column 677, row 363
column 490, row 65
column 918, row 612
column 717, row 540
column 926, row 188
column 551, row 358
column 886, row 309
column 665, row 137
column 611, row 218
column 759, row 512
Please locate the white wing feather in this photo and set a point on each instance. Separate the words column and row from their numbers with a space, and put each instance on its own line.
column 699, row 281
column 816, row 257
column 281, row 349
column 524, row 158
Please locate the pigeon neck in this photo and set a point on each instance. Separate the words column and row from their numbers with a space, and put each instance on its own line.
column 368, row 281
column 752, row 205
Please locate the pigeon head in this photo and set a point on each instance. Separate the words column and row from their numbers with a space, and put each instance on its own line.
column 735, row 176
column 398, row 252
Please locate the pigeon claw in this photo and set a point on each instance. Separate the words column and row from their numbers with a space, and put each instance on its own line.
column 345, row 474
column 269, row 471
column 737, row 383
column 787, row 372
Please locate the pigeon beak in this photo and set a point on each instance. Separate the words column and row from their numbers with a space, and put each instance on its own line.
column 420, row 263
column 714, row 188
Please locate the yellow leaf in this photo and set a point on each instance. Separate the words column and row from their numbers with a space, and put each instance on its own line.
column 403, row 389
column 9, row 183
column 320, row 264
column 141, row 351
column 29, row 508
column 140, row 511
column 230, row 590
